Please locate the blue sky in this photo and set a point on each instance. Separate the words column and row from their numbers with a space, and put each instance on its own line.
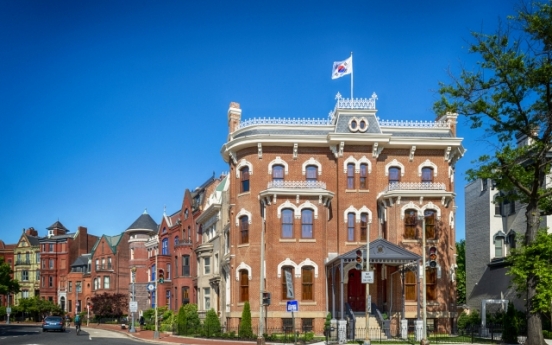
column 111, row 107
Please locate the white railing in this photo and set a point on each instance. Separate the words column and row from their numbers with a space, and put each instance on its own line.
column 283, row 121
column 415, row 124
column 356, row 103
column 415, row 186
column 297, row 184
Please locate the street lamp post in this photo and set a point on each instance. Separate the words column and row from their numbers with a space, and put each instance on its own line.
column 368, row 299
column 156, row 332
column 77, row 290
column 133, row 270
column 424, row 288
column 260, row 337
column 8, row 310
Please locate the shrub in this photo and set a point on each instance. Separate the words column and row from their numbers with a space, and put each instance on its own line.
column 245, row 330
column 510, row 325
column 211, row 325
column 466, row 321
column 187, row 322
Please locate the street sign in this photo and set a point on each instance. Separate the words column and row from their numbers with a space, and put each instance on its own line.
column 133, row 307
column 8, row 310
column 369, row 304
column 367, row 277
column 151, row 286
column 292, row 306
column 289, row 284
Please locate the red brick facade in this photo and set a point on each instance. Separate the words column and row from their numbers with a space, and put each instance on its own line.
column 324, row 185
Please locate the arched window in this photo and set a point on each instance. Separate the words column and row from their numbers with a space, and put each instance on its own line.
column 278, row 173
column 410, row 286
column 186, row 265
column 244, row 229
column 431, row 279
column 350, row 176
column 410, row 223
column 307, row 283
column 311, row 172
column 394, row 174
column 244, row 286
column 287, row 223
column 363, row 176
column 284, row 284
column 350, row 226
column 427, row 174
column 307, row 220
column 363, row 227
column 429, row 216
column 244, row 173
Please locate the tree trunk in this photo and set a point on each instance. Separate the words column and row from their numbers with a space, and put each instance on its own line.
column 534, row 320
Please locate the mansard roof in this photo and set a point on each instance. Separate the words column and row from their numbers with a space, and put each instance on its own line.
column 144, row 222
column 381, row 252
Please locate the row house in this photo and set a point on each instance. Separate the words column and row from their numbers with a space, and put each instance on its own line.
column 172, row 253
column 310, row 193
column 139, row 232
column 27, row 265
column 58, row 250
column 494, row 226
column 6, row 254
column 213, row 283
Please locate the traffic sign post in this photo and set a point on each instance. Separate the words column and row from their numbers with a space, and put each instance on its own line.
column 133, row 306
column 293, row 306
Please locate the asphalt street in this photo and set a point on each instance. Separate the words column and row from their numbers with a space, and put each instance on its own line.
column 33, row 335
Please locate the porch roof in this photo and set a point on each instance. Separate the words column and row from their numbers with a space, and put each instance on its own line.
column 381, row 252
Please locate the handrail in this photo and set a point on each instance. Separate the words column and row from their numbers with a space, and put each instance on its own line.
column 349, row 313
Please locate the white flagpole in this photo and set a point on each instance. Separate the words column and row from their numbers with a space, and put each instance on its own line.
column 353, row 71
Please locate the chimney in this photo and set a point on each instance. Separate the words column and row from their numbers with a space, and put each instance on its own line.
column 451, row 118
column 31, row 232
column 234, row 117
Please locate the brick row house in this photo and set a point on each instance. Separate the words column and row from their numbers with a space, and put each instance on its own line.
column 176, row 250
column 6, row 253
column 320, row 190
column 58, row 252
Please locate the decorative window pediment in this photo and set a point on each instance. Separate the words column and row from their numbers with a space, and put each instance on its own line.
column 278, row 161
column 288, row 262
column 430, row 164
column 311, row 161
column 241, row 164
column 243, row 212
column 394, row 163
column 243, row 266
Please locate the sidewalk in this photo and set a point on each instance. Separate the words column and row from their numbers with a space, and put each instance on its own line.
column 165, row 338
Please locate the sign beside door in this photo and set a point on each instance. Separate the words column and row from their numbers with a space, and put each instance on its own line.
column 367, row 277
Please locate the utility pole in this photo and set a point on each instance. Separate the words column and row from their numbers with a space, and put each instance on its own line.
column 156, row 332
column 260, row 338
column 368, row 299
column 424, row 292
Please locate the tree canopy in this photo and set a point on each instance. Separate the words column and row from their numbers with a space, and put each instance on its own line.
column 7, row 283
column 106, row 304
column 509, row 95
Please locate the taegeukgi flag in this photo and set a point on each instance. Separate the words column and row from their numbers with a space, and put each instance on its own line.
column 341, row 68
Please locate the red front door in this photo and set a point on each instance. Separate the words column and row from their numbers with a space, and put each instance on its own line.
column 356, row 291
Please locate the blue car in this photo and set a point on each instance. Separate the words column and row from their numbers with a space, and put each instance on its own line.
column 53, row 323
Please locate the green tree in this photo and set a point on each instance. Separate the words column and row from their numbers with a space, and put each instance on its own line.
column 246, row 330
column 211, row 325
column 510, row 325
column 510, row 96
column 8, row 285
column 188, row 320
column 461, row 272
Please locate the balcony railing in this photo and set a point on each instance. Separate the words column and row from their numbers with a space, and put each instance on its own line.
column 415, row 186
column 182, row 243
column 22, row 262
column 297, row 184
